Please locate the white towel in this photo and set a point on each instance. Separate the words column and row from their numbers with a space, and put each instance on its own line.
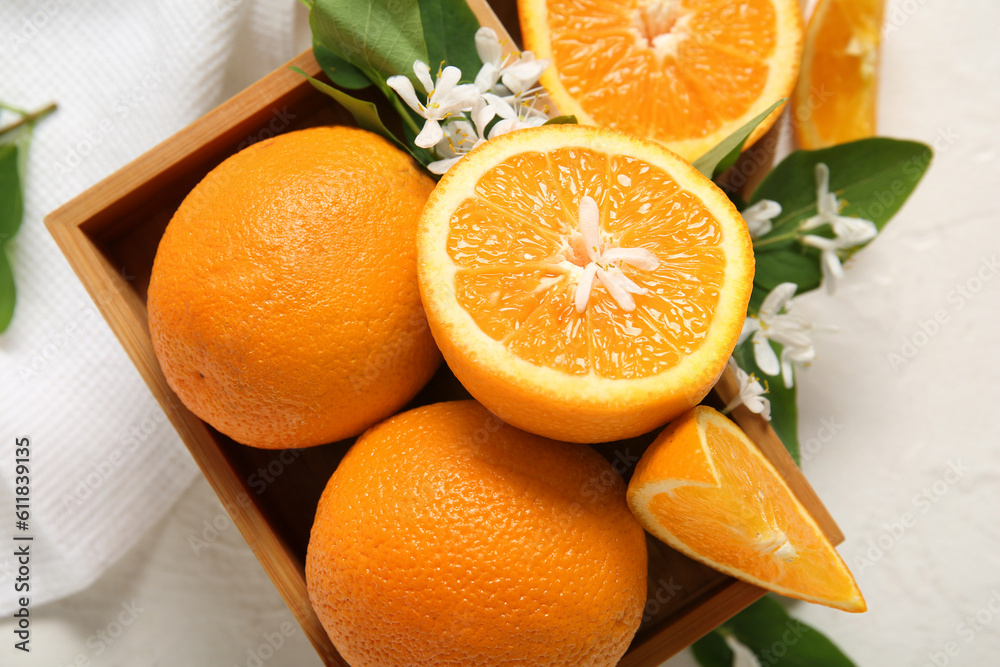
column 105, row 462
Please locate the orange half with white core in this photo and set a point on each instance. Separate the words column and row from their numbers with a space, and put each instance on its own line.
column 686, row 73
column 582, row 284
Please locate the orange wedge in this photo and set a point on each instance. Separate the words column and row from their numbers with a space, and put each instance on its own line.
column 686, row 73
column 835, row 99
column 706, row 490
column 551, row 339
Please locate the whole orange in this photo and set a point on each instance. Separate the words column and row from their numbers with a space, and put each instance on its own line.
column 283, row 302
column 446, row 538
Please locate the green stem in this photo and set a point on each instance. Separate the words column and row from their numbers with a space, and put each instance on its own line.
column 404, row 113
column 396, row 102
column 16, row 110
column 26, row 117
column 775, row 239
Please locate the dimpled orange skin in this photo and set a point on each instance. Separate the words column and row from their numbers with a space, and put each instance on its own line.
column 448, row 539
column 283, row 303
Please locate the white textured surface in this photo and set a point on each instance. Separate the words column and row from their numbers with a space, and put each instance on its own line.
column 897, row 429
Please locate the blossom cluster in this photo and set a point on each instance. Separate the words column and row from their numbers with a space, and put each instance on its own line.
column 458, row 116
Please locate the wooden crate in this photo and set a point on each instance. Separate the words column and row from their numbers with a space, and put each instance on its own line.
column 110, row 233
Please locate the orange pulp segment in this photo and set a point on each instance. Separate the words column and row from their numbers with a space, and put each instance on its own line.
column 705, row 489
column 686, row 73
column 836, row 97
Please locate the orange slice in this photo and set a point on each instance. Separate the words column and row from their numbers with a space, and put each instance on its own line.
column 836, row 96
column 706, row 490
column 686, row 73
column 552, row 340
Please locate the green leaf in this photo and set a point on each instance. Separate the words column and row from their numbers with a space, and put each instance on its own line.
column 7, row 294
column 561, row 120
column 339, row 71
column 366, row 115
column 713, row 651
column 797, row 264
column 450, row 34
column 381, row 38
column 11, row 196
column 873, row 177
column 780, row 640
column 725, row 153
column 784, row 410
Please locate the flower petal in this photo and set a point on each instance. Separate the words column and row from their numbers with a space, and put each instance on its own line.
column 447, row 80
column 501, row 106
column 822, row 174
column 751, row 325
column 503, row 127
column 457, row 98
column 765, row 410
column 776, row 300
column 488, row 46
column 764, row 209
column 430, row 135
column 820, row 242
column 583, row 287
column 523, row 74
column 404, row 88
column 787, row 372
column 626, row 283
column 441, row 166
column 482, row 114
column 488, row 76
column 833, row 270
column 764, row 355
column 616, row 290
column 590, row 227
column 423, row 72
column 640, row 258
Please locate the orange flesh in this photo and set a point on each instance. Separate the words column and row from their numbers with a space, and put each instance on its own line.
column 512, row 244
column 667, row 69
column 740, row 517
column 839, row 83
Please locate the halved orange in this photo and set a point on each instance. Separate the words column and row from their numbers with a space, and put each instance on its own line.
column 552, row 340
column 686, row 73
column 706, row 490
column 836, row 97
